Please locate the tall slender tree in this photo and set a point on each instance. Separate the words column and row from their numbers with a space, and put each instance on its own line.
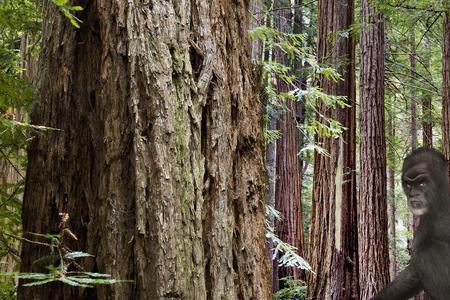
column 413, row 104
column 11, row 172
column 391, row 209
column 427, row 106
column 288, row 184
column 413, row 220
column 446, row 88
column 333, row 243
column 373, row 244
column 257, row 19
column 158, row 156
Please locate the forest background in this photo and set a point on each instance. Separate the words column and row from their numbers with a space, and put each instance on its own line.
column 319, row 102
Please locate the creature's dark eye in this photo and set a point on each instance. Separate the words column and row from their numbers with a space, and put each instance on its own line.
column 422, row 184
column 408, row 186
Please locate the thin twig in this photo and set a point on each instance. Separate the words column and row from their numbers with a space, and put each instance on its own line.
column 11, row 163
column 25, row 239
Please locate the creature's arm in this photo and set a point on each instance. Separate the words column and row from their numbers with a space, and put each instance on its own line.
column 404, row 286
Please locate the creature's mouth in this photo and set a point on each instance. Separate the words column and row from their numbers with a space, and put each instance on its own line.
column 416, row 204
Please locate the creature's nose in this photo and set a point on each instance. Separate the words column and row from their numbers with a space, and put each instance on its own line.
column 414, row 193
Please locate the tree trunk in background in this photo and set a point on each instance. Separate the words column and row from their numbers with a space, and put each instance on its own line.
column 256, row 20
column 412, row 60
column 414, row 135
column 271, row 164
column 11, row 173
column 427, row 108
column 159, row 158
column 298, row 69
column 427, row 125
column 413, row 220
column 391, row 163
column 334, row 246
column 446, row 89
column 288, row 189
column 373, row 243
column 288, row 180
column 300, row 117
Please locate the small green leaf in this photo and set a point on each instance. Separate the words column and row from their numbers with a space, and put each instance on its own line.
column 96, row 274
column 41, row 282
column 76, row 254
column 74, row 23
column 73, row 283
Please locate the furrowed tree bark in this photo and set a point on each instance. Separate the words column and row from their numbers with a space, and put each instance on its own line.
column 391, row 208
column 427, row 107
column 412, row 60
column 158, row 156
column 288, row 172
column 333, row 244
column 373, row 244
column 446, row 88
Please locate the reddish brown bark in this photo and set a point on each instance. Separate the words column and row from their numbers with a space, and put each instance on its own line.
column 391, row 198
column 427, row 125
column 159, row 156
column 412, row 60
column 288, row 188
column 288, row 171
column 333, row 240
column 427, row 108
column 391, row 224
column 373, row 244
column 446, row 88
column 414, row 220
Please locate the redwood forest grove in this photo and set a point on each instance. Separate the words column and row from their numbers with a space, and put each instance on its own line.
column 224, row 149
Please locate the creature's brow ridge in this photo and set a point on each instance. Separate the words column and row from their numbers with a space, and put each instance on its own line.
column 417, row 177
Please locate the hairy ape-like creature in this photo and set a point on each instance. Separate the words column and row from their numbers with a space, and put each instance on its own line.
column 425, row 183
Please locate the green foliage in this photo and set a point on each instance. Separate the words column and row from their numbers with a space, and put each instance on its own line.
column 311, row 96
column 291, row 288
column 61, row 264
column 271, row 136
column 20, row 23
column 67, row 9
column 19, row 16
column 415, row 5
column 7, row 291
column 289, row 256
column 293, row 46
column 77, row 279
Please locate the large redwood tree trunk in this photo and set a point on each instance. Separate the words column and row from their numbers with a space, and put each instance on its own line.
column 373, row 243
column 159, row 156
column 333, row 245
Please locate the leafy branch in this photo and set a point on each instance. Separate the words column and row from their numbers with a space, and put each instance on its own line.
column 67, row 269
column 67, row 10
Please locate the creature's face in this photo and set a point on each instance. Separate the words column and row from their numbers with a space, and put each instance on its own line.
column 417, row 185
